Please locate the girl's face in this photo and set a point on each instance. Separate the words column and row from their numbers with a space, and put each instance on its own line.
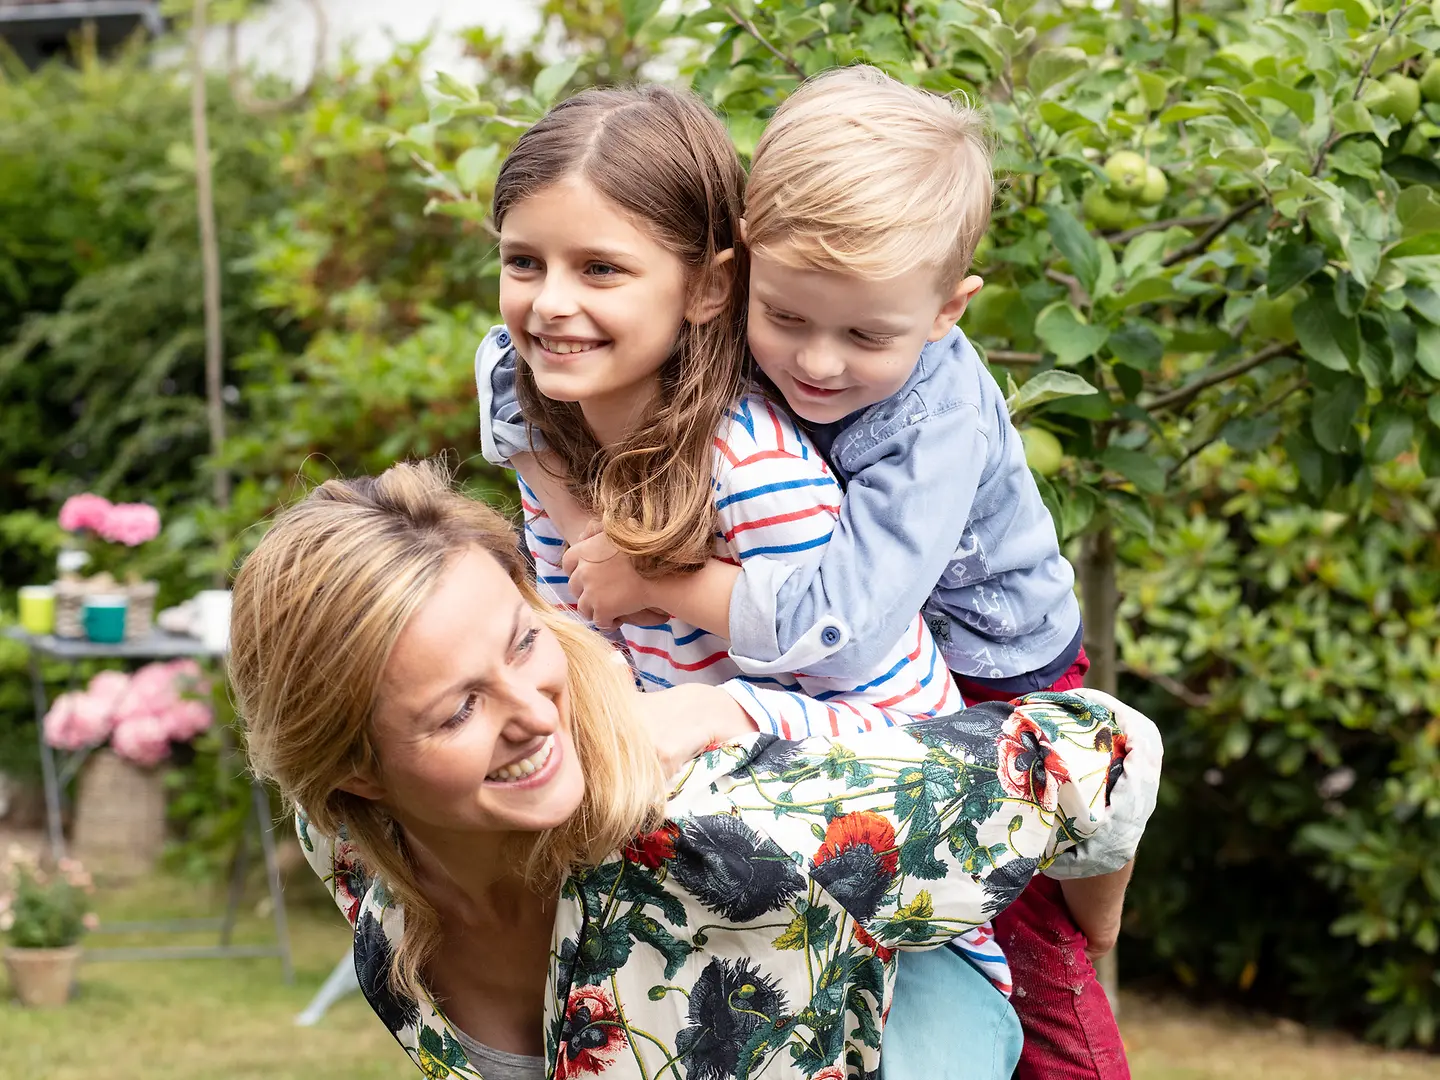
column 472, row 722
column 593, row 302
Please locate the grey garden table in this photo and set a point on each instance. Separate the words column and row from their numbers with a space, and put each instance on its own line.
column 57, row 769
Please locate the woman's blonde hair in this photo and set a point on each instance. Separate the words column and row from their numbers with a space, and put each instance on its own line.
column 861, row 174
column 663, row 157
column 317, row 611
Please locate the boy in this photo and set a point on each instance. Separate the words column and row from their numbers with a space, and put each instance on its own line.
column 865, row 202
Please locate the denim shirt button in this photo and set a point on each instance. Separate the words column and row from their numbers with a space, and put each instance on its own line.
column 502, row 339
column 830, row 635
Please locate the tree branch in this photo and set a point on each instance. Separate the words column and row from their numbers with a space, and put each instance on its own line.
column 1156, row 226
column 750, row 28
column 906, row 13
column 1171, row 686
column 1335, row 137
column 240, row 88
column 1006, row 356
column 1203, row 241
column 1078, row 296
column 1185, row 393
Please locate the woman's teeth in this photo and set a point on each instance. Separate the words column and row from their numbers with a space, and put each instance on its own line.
column 523, row 768
column 563, row 347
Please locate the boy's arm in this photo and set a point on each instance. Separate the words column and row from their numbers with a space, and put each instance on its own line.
column 898, row 529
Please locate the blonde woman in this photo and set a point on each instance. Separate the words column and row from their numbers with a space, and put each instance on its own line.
column 534, row 894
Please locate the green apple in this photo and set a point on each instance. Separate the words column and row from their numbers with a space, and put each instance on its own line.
column 1156, row 187
column 1430, row 81
column 1043, row 451
column 1401, row 100
column 1103, row 211
column 1126, row 171
column 1273, row 320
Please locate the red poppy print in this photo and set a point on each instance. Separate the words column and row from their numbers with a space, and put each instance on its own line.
column 349, row 880
column 874, row 946
column 864, row 828
column 653, row 848
column 830, row 1072
column 1119, row 747
column 593, row 1035
column 1028, row 766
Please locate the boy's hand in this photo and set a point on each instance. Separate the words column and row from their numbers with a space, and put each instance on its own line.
column 607, row 589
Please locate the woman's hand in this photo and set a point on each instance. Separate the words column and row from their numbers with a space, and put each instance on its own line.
column 683, row 721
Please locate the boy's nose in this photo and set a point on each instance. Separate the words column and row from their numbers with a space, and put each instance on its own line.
column 819, row 364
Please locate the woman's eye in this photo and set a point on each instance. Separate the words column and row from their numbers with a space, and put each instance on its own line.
column 463, row 713
column 527, row 641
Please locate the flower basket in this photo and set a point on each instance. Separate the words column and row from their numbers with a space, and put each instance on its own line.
column 119, row 817
column 42, row 978
column 70, row 594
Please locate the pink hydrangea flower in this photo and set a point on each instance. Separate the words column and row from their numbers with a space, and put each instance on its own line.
column 188, row 719
column 130, row 524
column 84, row 512
column 142, row 740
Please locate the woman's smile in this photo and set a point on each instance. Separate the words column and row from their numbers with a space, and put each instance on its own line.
column 532, row 771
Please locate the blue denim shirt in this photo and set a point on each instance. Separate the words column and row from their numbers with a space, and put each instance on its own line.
column 940, row 514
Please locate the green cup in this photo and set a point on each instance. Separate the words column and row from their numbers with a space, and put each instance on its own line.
column 104, row 619
column 37, row 609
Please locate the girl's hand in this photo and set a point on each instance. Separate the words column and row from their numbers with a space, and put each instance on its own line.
column 606, row 587
column 685, row 720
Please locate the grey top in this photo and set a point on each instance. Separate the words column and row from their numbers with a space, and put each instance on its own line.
column 498, row 1064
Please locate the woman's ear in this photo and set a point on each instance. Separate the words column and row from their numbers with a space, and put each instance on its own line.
column 714, row 294
column 363, row 786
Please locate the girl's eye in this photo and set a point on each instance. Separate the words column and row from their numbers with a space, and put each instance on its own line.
column 603, row 270
column 520, row 262
column 527, row 641
column 463, row 713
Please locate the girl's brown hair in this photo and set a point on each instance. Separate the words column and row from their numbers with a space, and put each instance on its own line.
column 665, row 158
column 317, row 610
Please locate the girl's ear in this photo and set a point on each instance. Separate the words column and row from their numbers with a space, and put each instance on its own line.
column 714, row 294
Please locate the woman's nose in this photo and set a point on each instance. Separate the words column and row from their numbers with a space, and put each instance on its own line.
column 529, row 711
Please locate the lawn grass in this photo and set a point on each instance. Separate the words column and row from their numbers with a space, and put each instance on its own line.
column 234, row 1019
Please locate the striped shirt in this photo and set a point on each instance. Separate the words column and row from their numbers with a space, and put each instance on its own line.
column 775, row 497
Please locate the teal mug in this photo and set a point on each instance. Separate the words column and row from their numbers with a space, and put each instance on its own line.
column 104, row 619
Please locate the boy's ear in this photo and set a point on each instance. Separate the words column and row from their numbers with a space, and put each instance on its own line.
column 950, row 312
column 714, row 294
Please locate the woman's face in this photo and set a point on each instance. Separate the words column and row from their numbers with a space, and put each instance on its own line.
column 472, row 727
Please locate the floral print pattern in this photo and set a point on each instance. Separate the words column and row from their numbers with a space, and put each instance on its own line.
column 755, row 934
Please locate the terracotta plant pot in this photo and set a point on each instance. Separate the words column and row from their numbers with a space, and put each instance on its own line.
column 42, row 978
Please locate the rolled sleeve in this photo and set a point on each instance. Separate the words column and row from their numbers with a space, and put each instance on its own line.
column 503, row 431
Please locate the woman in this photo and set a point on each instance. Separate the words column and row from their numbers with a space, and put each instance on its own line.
column 511, row 851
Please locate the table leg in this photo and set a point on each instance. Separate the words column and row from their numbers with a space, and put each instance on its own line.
column 272, row 874
column 47, row 762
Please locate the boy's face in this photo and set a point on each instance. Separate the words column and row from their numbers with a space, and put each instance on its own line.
column 834, row 343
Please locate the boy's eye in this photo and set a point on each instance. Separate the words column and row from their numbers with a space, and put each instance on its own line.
column 877, row 340
column 784, row 317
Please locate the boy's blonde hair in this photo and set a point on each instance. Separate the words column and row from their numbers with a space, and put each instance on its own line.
column 861, row 174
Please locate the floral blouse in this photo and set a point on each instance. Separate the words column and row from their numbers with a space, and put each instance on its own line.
column 754, row 934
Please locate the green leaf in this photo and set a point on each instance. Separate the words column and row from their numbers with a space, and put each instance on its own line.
column 637, row 13
column 1137, row 345
column 552, row 80
column 1425, row 243
column 1328, row 337
column 1140, row 469
column 1047, row 386
column 1066, row 333
column 1418, row 209
column 1392, row 431
column 1132, row 512
column 1432, row 409
column 1051, row 66
column 453, row 87
column 1297, row 101
column 1292, row 265
column 1332, row 415
column 1062, row 119
column 474, row 165
column 1076, row 244
column 1144, row 250
column 1357, row 13
column 1427, row 349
